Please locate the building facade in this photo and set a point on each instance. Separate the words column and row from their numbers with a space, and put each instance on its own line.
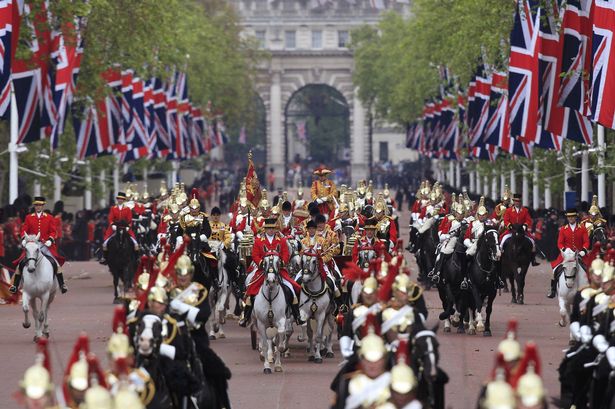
column 308, row 45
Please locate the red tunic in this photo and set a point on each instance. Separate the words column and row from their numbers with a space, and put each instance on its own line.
column 445, row 226
column 575, row 240
column 45, row 226
column 238, row 225
column 115, row 215
column 512, row 216
column 366, row 244
column 261, row 247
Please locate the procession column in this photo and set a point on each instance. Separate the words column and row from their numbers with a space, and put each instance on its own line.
column 276, row 142
column 359, row 167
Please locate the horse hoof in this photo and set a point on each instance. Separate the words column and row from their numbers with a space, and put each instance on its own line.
column 460, row 330
column 561, row 324
column 267, row 371
column 311, row 359
column 480, row 327
column 221, row 335
column 36, row 338
column 487, row 333
column 447, row 329
column 278, row 369
column 26, row 325
column 318, row 360
column 471, row 332
column 443, row 316
column 513, row 301
column 117, row 300
column 330, row 355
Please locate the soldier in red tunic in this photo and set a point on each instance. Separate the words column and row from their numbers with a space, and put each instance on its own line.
column 573, row 236
column 44, row 225
column 368, row 241
column 117, row 213
column 515, row 215
column 271, row 241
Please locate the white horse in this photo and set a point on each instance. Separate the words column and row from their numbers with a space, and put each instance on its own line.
column 294, row 265
column 271, row 314
column 315, row 305
column 38, row 283
column 218, row 301
column 570, row 280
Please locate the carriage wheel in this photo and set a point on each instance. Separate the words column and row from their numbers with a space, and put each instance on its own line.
column 253, row 338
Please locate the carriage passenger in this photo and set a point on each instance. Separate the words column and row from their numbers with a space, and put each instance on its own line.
column 271, row 242
column 572, row 237
column 41, row 224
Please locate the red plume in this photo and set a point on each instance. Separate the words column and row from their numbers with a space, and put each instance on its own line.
column 122, row 366
column 402, row 355
column 94, row 370
column 81, row 346
column 353, row 272
column 370, row 325
column 373, row 265
column 169, row 271
column 163, row 241
column 119, row 319
column 384, row 293
column 501, row 365
column 530, row 356
column 42, row 348
column 194, row 194
column 512, row 328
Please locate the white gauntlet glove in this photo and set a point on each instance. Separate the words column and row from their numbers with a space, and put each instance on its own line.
column 586, row 334
column 600, row 343
column 179, row 241
column 346, row 344
column 48, row 243
column 113, row 227
column 203, row 237
column 167, row 350
column 575, row 330
column 582, row 253
column 610, row 356
column 182, row 308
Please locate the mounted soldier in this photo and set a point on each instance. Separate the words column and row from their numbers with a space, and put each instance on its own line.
column 369, row 241
column 448, row 232
column 572, row 237
column 421, row 201
column 117, row 213
column 43, row 226
column 270, row 242
column 313, row 243
column 594, row 220
column 498, row 212
column 518, row 215
column 324, row 192
column 386, row 229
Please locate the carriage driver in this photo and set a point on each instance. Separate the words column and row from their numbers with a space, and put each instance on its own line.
column 572, row 237
column 518, row 214
column 117, row 213
column 43, row 224
column 448, row 231
column 270, row 242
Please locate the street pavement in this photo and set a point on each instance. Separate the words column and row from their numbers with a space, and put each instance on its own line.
column 467, row 359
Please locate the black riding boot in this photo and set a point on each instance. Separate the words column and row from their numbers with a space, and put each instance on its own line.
column 294, row 307
column 534, row 262
column 104, row 258
column 247, row 314
column 434, row 274
column 63, row 287
column 16, row 281
column 552, row 290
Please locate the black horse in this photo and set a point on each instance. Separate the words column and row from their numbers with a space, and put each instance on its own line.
column 424, row 246
column 196, row 250
column 516, row 259
column 425, row 358
column 483, row 272
column 453, row 287
column 122, row 258
column 599, row 235
column 146, row 235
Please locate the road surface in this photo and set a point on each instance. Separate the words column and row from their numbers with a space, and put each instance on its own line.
column 467, row 359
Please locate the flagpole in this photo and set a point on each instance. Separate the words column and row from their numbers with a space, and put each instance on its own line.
column 13, row 159
column 601, row 176
column 57, row 187
column 116, row 179
column 585, row 176
column 87, row 197
column 535, row 198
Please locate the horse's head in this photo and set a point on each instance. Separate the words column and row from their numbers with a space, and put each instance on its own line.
column 271, row 267
column 599, row 236
column 425, row 351
column 121, row 228
column 149, row 335
column 309, row 263
column 489, row 241
column 518, row 231
column 33, row 251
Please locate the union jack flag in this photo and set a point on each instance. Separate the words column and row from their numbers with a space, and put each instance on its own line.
column 150, row 117
column 163, row 142
column 198, row 132
column 133, row 94
column 94, row 130
column 478, row 108
column 10, row 12
column 172, row 120
column 603, row 73
column 496, row 128
column 182, row 142
column 113, row 78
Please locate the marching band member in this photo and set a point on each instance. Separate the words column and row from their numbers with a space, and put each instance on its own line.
column 572, row 238
column 42, row 225
column 324, row 192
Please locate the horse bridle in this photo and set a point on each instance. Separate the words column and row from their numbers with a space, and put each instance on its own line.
column 575, row 271
column 35, row 259
column 276, row 273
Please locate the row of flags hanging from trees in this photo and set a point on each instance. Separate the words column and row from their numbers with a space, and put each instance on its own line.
column 560, row 81
column 138, row 118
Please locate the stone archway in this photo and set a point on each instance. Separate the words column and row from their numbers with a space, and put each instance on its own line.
column 317, row 127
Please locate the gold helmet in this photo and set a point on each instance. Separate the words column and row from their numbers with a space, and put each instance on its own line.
column 467, row 203
column 194, row 204
column 499, row 395
column 403, row 379
column 380, row 207
column 507, row 195
column 275, row 211
column 264, row 203
column 300, row 191
column 78, row 375
column 372, row 348
column 369, row 193
column 127, row 398
column 163, row 189
column 597, row 266
column 361, row 188
column 608, row 273
column 481, row 210
column 401, row 283
column 145, row 195
column 370, row 285
column 386, row 193
column 183, row 266
column 158, row 294
column 594, row 210
column 97, row 397
column 135, row 196
column 174, row 209
column 143, row 281
column 118, row 345
column 343, row 208
column 36, row 381
column 426, row 189
column 509, row 347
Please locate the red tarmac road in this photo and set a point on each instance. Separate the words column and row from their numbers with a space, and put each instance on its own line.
column 467, row 359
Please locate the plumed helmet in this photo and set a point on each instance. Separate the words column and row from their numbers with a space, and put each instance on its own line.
column 386, row 192
column 506, row 196
column 509, row 347
column 36, row 381
column 194, row 204
column 403, row 379
column 370, row 285
column 143, row 281
column 608, row 273
column 158, row 294
column 183, row 266
column 594, row 210
column 499, row 395
column 174, row 209
column 97, row 397
column 78, row 375
column 380, row 206
column 481, row 210
column 127, row 398
column 597, row 266
column 372, row 348
column 401, row 283
column 264, row 203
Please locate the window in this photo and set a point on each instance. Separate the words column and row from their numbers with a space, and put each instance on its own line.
column 260, row 37
column 384, row 152
column 316, row 39
column 289, row 39
column 343, row 39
